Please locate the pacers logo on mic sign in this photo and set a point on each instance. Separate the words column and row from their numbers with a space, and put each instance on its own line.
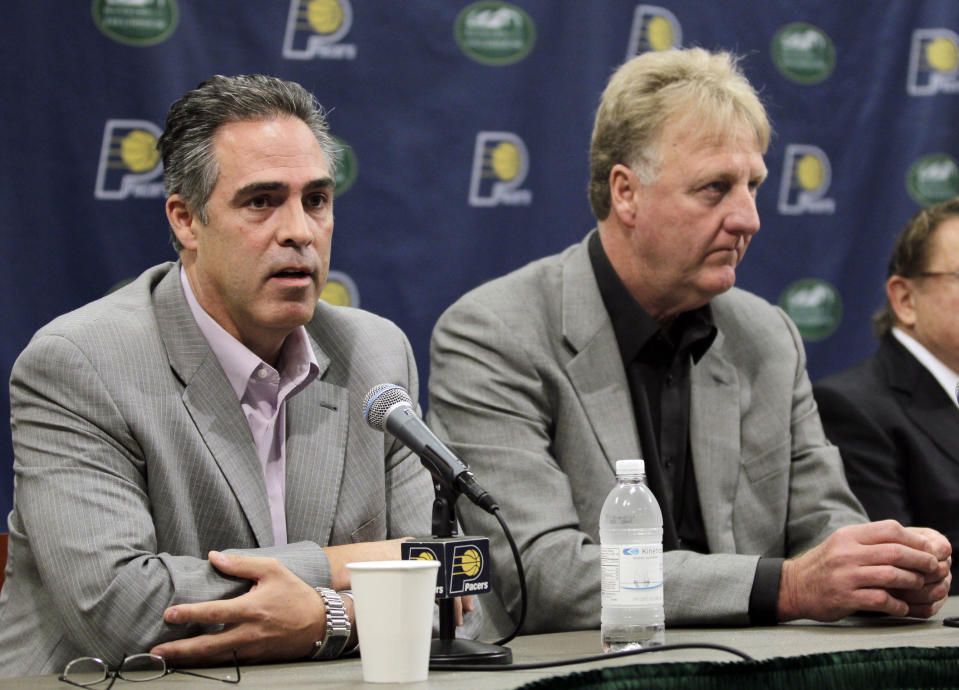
column 464, row 563
column 654, row 28
column 314, row 29
column 129, row 161
column 933, row 62
column 500, row 165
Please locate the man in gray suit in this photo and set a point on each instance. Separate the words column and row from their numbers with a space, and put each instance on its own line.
column 212, row 404
column 634, row 343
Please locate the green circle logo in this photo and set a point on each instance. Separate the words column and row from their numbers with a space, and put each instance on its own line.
column 136, row 22
column 814, row 306
column 933, row 178
column 347, row 168
column 803, row 53
column 494, row 33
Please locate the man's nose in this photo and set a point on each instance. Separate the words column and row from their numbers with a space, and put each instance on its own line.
column 295, row 227
column 743, row 218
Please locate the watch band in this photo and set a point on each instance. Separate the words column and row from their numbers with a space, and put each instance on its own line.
column 338, row 626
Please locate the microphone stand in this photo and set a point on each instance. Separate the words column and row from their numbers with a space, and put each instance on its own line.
column 449, row 649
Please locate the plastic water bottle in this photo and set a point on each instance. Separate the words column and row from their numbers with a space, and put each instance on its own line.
column 631, row 534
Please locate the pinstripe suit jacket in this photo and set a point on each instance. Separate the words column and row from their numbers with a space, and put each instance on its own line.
column 133, row 459
column 528, row 385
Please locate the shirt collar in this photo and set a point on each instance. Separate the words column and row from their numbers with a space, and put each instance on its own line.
column 634, row 328
column 946, row 377
column 297, row 361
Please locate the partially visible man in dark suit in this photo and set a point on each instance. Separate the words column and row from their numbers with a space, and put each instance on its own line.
column 894, row 415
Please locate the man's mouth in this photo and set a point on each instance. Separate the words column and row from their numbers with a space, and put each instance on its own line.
column 294, row 276
column 293, row 273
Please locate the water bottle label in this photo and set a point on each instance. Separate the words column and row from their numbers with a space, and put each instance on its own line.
column 632, row 574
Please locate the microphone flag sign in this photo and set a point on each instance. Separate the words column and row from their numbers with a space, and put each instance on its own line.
column 464, row 563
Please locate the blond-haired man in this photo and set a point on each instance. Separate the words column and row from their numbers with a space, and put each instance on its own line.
column 634, row 343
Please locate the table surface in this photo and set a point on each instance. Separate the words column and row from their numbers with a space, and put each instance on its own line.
column 791, row 639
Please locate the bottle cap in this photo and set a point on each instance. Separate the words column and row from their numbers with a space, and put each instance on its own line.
column 630, row 467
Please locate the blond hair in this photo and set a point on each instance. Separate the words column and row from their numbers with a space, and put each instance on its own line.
column 654, row 88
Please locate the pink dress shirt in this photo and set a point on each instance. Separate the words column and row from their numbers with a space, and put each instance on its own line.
column 262, row 392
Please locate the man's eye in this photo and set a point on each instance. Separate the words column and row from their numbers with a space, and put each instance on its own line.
column 718, row 186
column 258, row 202
column 316, row 200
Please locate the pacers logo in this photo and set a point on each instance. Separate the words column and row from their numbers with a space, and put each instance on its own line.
column 470, row 572
column 654, row 28
column 500, row 165
column 129, row 161
column 340, row 290
column 814, row 306
column 933, row 178
column 314, row 29
column 805, row 181
column 933, row 62
column 803, row 53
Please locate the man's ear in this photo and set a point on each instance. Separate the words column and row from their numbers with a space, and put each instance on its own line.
column 183, row 220
column 623, row 187
column 901, row 293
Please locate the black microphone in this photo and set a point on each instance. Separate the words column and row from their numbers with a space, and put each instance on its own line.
column 388, row 407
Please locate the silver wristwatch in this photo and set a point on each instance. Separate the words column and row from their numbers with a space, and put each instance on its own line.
column 337, row 626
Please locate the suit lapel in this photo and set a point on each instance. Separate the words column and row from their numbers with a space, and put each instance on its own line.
column 212, row 404
column 926, row 403
column 715, row 436
column 596, row 369
column 317, row 420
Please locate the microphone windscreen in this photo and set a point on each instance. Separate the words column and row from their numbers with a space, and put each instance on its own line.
column 380, row 400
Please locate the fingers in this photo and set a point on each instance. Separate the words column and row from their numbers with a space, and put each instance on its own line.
column 458, row 611
column 940, row 546
column 206, row 650
column 223, row 611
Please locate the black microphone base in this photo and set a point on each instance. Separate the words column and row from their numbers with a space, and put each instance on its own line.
column 468, row 652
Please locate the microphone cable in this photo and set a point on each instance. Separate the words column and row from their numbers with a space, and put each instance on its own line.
column 594, row 657
column 521, row 574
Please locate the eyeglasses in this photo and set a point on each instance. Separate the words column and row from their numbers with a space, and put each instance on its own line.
column 137, row 668
column 934, row 274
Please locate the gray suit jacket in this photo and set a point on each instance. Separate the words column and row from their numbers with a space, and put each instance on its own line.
column 527, row 383
column 133, row 459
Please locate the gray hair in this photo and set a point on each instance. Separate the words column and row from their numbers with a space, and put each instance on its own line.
column 654, row 88
column 190, row 168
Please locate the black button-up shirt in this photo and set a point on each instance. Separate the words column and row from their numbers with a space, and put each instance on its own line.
column 657, row 364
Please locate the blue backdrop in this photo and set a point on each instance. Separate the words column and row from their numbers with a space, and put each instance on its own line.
column 467, row 128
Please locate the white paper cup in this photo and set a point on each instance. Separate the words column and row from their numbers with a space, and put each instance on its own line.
column 394, row 618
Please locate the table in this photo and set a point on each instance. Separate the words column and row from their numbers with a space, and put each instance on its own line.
column 790, row 639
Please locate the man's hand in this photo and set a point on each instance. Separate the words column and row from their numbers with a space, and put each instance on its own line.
column 879, row 566
column 278, row 619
